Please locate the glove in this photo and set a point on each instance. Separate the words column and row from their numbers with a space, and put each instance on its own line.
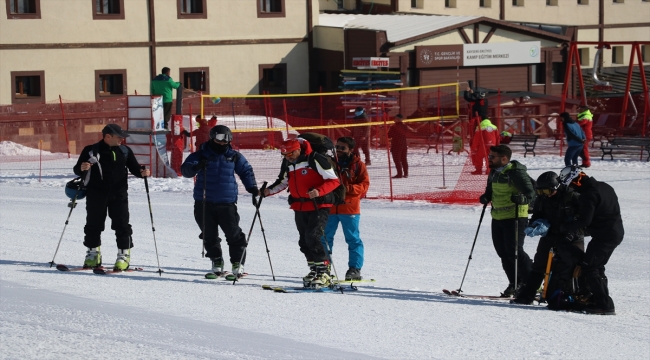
column 201, row 165
column 539, row 227
column 253, row 190
column 254, row 200
column 519, row 199
column 484, row 199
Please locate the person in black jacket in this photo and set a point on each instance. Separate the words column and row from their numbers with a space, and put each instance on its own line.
column 600, row 216
column 479, row 103
column 104, row 166
column 556, row 204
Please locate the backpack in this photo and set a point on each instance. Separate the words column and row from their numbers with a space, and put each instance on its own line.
column 325, row 153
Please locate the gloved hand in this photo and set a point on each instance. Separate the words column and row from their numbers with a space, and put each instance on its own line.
column 519, row 199
column 254, row 198
column 484, row 199
column 539, row 227
column 201, row 165
column 253, row 190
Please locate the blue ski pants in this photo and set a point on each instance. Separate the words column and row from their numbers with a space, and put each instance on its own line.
column 350, row 225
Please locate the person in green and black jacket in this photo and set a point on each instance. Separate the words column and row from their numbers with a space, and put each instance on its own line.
column 509, row 187
column 163, row 85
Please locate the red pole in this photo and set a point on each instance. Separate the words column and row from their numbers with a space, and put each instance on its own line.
column 390, row 168
column 191, row 129
column 40, row 160
column 567, row 72
column 644, row 82
column 65, row 127
column 499, row 124
column 627, row 85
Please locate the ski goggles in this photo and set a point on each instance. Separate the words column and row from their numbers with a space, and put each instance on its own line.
column 545, row 191
column 221, row 137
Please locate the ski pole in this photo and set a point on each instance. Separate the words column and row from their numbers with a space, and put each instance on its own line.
column 153, row 229
column 205, row 185
column 248, row 238
column 329, row 252
column 547, row 274
column 72, row 205
column 259, row 218
column 472, row 251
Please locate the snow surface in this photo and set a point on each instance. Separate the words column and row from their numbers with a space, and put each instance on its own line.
column 413, row 249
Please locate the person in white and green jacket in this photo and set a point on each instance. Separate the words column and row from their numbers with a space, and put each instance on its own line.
column 509, row 187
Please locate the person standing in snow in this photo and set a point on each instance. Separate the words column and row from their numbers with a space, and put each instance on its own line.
column 600, row 216
column 215, row 164
column 354, row 175
column 104, row 166
column 311, row 180
column 163, row 85
column 575, row 138
column 486, row 136
column 398, row 146
column 361, row 134
column 585, row 120
column 509, row 187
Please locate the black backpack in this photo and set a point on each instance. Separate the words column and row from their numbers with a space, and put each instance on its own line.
column 325, row 153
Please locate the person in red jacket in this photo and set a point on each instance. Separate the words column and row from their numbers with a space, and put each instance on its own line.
column 354, row 175
column 398, row 146
column 311, row 179
column 202, row 133
column 486, row 135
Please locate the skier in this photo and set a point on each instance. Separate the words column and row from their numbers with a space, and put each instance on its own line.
column 575, row 138
column 310, row 187
column 556, row 204
column 354, row 175
column 585, row 120
column 600, row 215
column 508, row 188
column 486, row 136
column 398, row 146
column 215, row 165
column 104, row 166
column 361, row 134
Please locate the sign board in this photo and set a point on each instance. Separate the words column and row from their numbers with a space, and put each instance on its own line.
column 370, row 62
column 526, row 52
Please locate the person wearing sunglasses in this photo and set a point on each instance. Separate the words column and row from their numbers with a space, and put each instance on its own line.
column 354, row 175
column 600, row 216
column 509, row 187
column 555, row 205
column 215, row 164
column 311, row 179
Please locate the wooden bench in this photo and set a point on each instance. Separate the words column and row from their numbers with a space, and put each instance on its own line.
column 528, row 141
column 625, row 144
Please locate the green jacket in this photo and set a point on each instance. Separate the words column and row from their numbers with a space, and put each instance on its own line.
column 163, row 85
column 513, row 179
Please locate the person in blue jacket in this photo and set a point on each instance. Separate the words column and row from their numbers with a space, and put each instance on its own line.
column 215, row 165
column 575, row 138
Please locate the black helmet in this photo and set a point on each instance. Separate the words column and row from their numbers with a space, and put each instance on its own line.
column 548, row 180
column 221, row 133
column 75, row 188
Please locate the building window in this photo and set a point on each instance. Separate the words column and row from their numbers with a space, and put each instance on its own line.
column 617, row 54
column 618, row 1
column 538, row 74
column 645, row 53
column 191, row 9
column 416, row 4
column 110, row 83
column 583, row 2
column 27, row 87
column 485, row 3
column 270, row 8
column 273, row 79
column 196, row 79
column 108, row 9
column 583, row 54
column 450, row 3
column 23, row 9
column 517, row 2
column 558, row 71
column 551, row 2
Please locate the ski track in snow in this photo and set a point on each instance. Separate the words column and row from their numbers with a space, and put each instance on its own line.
column 413, row 249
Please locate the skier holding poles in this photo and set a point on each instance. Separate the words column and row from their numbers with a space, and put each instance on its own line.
column 509, row 189
column 215, row 165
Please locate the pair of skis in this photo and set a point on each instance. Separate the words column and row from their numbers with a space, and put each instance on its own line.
column 486, row 297
column 336, row 287
column 225, row 275
column 97, row 270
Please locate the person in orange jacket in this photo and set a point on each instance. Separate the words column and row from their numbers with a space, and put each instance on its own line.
column 354, row 175
column 486, row 135
column 310, row 197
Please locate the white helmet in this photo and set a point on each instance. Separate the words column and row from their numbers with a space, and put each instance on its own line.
column 568, row 174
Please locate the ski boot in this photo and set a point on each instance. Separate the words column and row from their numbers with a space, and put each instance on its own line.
column 93, row 258
column 306, row 280
column 322, row 278
column 510, row 291
column 123, row 259
column 353, row 274
column 217, row 266
column 238, row 269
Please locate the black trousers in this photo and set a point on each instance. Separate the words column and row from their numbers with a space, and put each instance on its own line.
column 598, row 252
column 117, row 206
column 574, row 248
column 167, row 113
column 226, row 217
column 311, row 225
column 363, row 146
column 399, row 157
column 503, row 239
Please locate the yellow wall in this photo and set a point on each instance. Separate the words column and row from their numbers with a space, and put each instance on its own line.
column 329, row 38
column 71, row 21
column 631, row 11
